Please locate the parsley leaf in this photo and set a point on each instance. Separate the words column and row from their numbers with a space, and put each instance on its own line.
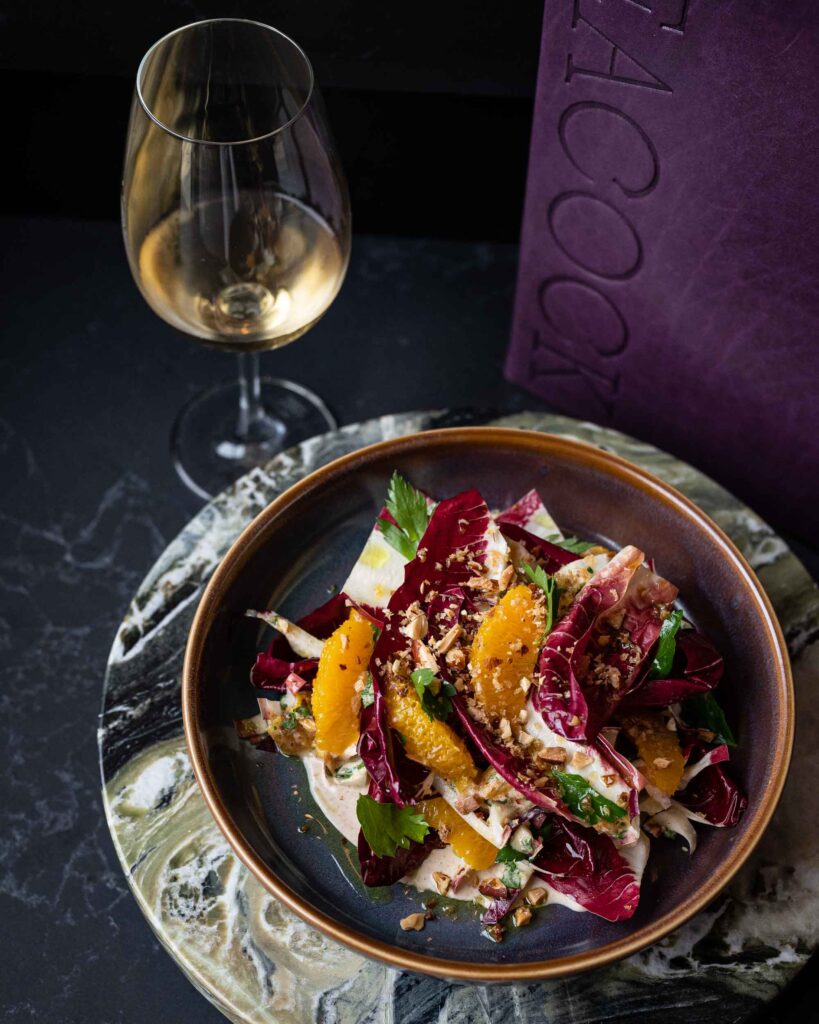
column 584, row 801
column 704, row 711
column 433, row 694
column 347, row 771
column 511, row 876
column 387, row 826
column 367, row 695
column 397, row 539
column 547, row 584
column 508, row 855
column 666, row 646
column 291, row 719
column 570, row 543
column 409, row 509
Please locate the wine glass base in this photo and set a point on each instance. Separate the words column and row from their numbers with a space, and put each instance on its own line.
column 206, row 451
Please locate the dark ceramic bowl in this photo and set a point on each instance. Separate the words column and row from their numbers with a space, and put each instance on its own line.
column 310, row 536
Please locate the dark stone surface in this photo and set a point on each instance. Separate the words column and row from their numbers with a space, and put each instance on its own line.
column 89, row 385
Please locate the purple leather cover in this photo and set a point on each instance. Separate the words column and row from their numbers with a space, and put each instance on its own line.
column 670, row 244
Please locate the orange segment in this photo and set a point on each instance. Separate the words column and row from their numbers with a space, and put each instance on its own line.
column 659, row 748
column 505, row 650
column 428, row 741
column 336, row 702
column 478, row 852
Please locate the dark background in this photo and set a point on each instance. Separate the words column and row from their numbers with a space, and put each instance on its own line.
column 431, row 106
column 430, row 103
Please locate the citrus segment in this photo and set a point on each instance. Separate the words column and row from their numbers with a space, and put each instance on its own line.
column 336, row 701
column 471, row 847
column 659, row 748
column 427, row 740
column 505, row 650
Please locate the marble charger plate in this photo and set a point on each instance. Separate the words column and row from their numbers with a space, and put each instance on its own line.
column 258, row 962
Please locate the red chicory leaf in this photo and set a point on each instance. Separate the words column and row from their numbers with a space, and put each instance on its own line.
column 585, row 865
column 697, row 668
column 595, row 653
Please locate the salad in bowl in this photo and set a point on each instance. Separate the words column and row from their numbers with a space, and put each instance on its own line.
column 494, row 712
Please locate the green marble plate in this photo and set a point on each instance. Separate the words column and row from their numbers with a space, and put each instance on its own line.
column 258, row 962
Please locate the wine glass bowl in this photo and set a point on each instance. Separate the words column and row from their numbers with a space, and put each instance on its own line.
column 236, row 222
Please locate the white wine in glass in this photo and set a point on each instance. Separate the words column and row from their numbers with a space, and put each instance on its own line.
column 237, row 226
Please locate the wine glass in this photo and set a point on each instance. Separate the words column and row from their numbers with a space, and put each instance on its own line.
column 236, row 220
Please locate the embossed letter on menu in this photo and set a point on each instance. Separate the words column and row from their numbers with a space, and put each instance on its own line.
column 671, row 186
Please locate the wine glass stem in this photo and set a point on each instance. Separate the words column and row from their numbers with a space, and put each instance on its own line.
column 251, row 409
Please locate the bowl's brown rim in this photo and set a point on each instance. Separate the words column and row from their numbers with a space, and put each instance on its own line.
column 546, row 444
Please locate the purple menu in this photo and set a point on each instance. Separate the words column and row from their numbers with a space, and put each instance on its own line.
column 668, row 280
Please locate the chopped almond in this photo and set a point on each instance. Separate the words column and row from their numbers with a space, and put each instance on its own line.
column 494, row 889
column 581, row 759
column 412, row 922
column 423, row 656
column 416, row 626
column 442, row 882
column 507, row 576
column 448, row 639
column 554, row 755
column 522, row 916
column 534, row 897
column 456, row 659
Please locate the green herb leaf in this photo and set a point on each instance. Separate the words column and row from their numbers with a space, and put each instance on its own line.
column 367, row 695
column 433, row 693
column 570, row 543
column 397, row 539
column 584, row 801
column 511, row 877
column 408, row 507
column 291, row 719
column 387, row 826
column 508, row 855
column 347, row 771
column 411, row 513
column 704, row 711
column 547, row 584
column 666, row 646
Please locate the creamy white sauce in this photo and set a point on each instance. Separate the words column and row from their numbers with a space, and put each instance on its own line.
column 336, row 801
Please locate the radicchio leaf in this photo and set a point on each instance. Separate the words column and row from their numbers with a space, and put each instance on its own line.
column 509, row 767
column 377, row 870
column 499, row 908
column 714, row 756
column 458, row 523
column 625, row 769
column 595, row 653
column 271, row 673
column 697, row 668
column 714, row 795
column 530, row 513
column 273, row 666
column 549, row 555
column 585, row 865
